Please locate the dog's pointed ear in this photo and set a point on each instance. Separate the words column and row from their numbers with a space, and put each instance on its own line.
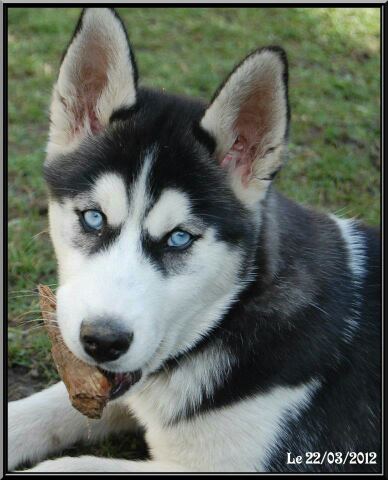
column 98, row 75
column 248, row 119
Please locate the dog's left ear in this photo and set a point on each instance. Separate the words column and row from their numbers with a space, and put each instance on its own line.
column 248, row 118
column 98, row 75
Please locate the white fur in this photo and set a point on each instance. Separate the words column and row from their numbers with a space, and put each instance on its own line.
column 173, row 393
column 110, row 193
column 172, row 209
column 100, row 27
column 88, row 464
column 355, row 246
column 139, row 191
column 62, row 221
column 236, row 438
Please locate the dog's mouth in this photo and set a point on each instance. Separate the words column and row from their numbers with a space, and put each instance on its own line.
column 121, row 382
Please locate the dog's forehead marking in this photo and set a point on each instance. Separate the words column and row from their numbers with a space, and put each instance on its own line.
column 139, row 197
column 110, row 193
column 171, row 210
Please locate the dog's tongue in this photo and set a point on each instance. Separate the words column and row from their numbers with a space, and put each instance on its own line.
column 122, row 382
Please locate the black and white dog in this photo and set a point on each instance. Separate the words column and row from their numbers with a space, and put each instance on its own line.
column 242, row 330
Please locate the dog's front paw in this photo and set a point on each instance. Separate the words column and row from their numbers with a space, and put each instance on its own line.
column 91, row 464
column 86, row 463
column 66, row 464
column 22, row 434
column 40, row 425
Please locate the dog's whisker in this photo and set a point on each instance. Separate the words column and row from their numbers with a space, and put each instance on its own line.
column 25, row 290
column 39, row 327
column 29, row 292
column 25, row 295
column 314, row 305
column 34, row 237
column 50, row 321
column 23, row 323
column 29, row 312
column 35, row 310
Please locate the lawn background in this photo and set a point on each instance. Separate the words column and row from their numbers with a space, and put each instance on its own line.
column 334, row 161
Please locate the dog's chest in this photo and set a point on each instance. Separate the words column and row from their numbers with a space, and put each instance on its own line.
column 238, row 437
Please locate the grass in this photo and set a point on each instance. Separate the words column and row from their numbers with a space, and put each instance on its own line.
column 334, row 161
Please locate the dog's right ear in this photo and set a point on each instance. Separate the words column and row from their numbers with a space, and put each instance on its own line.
column 97, row 76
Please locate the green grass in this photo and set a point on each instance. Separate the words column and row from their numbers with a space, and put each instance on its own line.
column 334, row 161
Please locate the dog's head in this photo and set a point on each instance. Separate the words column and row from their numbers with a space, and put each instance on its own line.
column 154, row 199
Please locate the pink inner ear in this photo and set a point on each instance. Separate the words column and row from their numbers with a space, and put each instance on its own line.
column 95, row 124
column 254, row 122
column 84, row 111
column 91, row 80
column 240, row 156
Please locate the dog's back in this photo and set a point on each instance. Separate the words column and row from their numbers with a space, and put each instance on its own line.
column 342, row 426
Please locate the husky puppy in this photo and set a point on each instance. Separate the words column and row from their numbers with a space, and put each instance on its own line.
column 242, row 330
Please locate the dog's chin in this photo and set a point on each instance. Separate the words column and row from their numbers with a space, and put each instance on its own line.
column 121, row 382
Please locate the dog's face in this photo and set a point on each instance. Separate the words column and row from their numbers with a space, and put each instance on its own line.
column 154, row 199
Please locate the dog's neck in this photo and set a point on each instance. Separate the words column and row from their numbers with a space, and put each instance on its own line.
column 212, row 359
column 264, row 338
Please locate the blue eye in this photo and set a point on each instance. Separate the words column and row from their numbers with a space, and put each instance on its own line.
column 93, row 219
column 179, row 239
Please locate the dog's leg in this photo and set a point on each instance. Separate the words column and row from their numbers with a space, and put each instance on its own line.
column 94, row 464
column 45, row 423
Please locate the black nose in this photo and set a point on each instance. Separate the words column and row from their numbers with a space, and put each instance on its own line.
column 104, row 341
